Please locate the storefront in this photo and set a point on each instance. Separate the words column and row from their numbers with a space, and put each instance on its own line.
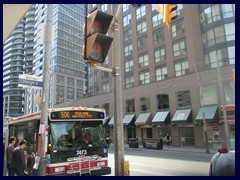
column 129, row 128
column 143, row 127
column 183, row 128
column 211, row 115
column 161, row 124
column 230, row 111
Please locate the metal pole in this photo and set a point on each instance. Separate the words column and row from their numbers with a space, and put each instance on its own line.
column 117, row 94
column 204, row 119
column 223, row 102
column 203, row 112
column 45, row 93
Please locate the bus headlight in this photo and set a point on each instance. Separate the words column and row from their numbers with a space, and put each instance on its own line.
column 101, row 163
column 59, row 169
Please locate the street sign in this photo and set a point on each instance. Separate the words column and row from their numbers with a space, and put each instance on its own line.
column 30, row 81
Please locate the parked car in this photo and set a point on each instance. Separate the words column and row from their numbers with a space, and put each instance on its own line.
column 223, row 163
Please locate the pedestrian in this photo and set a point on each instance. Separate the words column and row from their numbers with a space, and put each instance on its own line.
column 18, row 159
column 168, row 140
column 10, row 148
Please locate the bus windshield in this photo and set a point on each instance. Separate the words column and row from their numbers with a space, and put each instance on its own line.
column 65, row 135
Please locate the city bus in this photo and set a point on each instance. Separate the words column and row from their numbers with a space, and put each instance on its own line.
column 67, row 151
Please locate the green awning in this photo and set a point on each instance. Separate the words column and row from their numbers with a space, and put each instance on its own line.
column 211, row 114
column 143, row 119
column 162, row 117
column 184, row 115
column 106, row 121
column 126, row 120
column 111, row 122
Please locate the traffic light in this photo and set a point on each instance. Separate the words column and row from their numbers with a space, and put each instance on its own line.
column 168, row 16
column 97, row 44
column 137, row 5
column 166, row 10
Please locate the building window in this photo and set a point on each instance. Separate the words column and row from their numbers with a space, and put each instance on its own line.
column 126, row 7
column 219, row 34
column 209, row 94
column 141, row 27
column 229, row 89
column 217, row 12
column 128, row 50
column 145, row 104
column 106, row 87
column 70, row 81
column 104, row 7
column 162, row 102
column 106, row 107
column 159, row 55
column 183, row 99
column 79, row 83
column 129, row 66
column 129, row 82
column 178, row 29
column 230, row 31
column 161, row 73
column 142, row 43
column 158, row 37
column 127, row 35
column 70, row 94
column 127, row 20
column 181, row 68
column 59, row 94
column 228, row 10
column 157, row 20
column 179, row 48
column 130, row 106
column 60, row 79
column 79, row 93
column 143, row 60
column 221, row 55
column 231, row 55
column 141, row 11
column 144, row 77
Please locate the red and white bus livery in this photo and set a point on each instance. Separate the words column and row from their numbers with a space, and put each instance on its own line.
column 75, row 143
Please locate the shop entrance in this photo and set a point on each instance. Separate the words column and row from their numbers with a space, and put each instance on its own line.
column 187, row 136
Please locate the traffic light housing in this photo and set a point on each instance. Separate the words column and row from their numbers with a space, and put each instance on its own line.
column 168, row 16
column 137, row 5
column 97, row 44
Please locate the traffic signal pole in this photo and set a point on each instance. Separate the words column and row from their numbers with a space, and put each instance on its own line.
column 223, row 102
column 96, row 26
column 42, row 135
column 117, row 97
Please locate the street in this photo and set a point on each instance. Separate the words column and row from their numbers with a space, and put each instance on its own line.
column 164, row 163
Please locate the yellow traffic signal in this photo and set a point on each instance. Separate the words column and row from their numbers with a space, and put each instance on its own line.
column 168, row 16
column 97, row 44
column 166, row 10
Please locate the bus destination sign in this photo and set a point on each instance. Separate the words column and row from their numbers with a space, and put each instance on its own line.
column 76, row 114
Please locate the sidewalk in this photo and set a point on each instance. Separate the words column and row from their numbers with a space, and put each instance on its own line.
column 190, row 149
